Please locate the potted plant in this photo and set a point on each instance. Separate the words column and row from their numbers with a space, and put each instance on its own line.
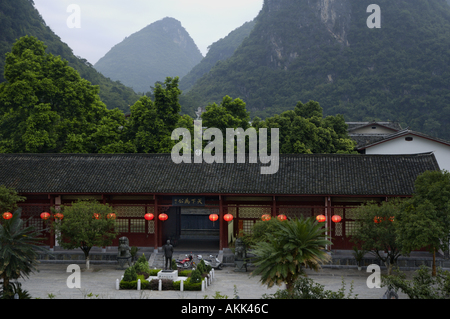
column 359, row 255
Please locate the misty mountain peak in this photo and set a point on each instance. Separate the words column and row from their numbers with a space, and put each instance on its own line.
column 161, row 49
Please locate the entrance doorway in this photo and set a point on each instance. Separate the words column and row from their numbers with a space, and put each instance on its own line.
column 189, row 228
column 197, row 231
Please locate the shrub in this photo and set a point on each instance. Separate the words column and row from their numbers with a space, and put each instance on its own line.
column 191, row 286
column 306, row 288
column 196, row 276
column 154, row 272
column 184, row 273
column 130, row 274
column 142, row 259
column 201, row 266
column 422, row 286
column 142, row 267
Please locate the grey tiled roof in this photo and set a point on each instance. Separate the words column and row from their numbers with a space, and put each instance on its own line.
column 382, row 139
column 355, row 125
column 156, row 173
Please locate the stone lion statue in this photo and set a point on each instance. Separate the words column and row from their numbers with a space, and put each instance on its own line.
column 124, row 254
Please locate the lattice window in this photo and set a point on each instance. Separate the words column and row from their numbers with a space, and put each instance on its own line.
column 253, row 211
column 122, row 225
column 350, row 213
column 319, row 211
column 130, row 211
column 137, row 225
column 35, row 222
column 338, row 229
column 338, row 210
column 295, row 212
column 151, row 227
column 351, row 227
column 34, row 211
column 232, row 210
column 246, row 226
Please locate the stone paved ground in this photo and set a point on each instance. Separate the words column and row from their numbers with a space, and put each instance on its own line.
column 100, row 280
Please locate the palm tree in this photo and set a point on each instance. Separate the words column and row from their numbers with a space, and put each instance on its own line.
column 18, row 251
column 292, row 246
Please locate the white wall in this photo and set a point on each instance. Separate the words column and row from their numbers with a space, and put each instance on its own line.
column 417, row 145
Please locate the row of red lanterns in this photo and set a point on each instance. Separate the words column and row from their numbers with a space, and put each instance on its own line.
column 212, row 217
column 267, row 217
column 335, row 218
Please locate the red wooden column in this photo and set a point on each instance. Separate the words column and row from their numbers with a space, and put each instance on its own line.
column 223, row 226
column 274, row 207
column 156, row 241
column 328, row 216
column 52, row 232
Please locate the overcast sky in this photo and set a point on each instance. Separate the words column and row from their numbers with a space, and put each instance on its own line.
column 104, row 23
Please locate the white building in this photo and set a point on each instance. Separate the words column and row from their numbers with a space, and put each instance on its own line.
column 381, row 138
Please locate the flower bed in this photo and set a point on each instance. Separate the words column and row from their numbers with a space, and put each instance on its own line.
column 141, row 275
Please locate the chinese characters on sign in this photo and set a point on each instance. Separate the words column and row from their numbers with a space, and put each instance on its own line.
column 188, row 201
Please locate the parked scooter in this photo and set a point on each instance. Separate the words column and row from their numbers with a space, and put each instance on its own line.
column 185, row 263
column 214, row 262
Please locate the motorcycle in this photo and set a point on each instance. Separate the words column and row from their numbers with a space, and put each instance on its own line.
column 185, row 263
column 212, row 261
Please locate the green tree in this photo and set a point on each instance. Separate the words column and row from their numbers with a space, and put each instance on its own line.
column 19, row 248
column 425, row 221
column 9, row 199
column 423, row 284
column 85, row 225
column 229, row 114
column 306, row 288
column 293, row 246
column 305, row 131
column 45, row 106
column 376, row 230
column 151, row 123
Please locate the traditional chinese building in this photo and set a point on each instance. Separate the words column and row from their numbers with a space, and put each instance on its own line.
column 137, row 184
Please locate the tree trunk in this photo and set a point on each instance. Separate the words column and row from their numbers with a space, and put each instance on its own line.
column 5, row 285
column 87, row 262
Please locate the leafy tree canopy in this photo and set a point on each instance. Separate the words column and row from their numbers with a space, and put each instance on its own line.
column 304, row 130
column 45, row 106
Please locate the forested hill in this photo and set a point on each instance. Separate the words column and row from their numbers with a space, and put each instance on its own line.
column 163, row 48
column 324, row 51
column 19, row 18
column 218, row 51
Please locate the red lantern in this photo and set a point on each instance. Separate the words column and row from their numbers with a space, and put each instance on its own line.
column 58, row 216
column 96, row 216
column 45, row 215
column 321, row 218
column 163, row 217
column 7, row 215
column 336, row 218
column 266, row 217
column 149, row 216
column 111, row 216
column 377, row 219
column 281, row 217
column 228, row 217
column 213, row 217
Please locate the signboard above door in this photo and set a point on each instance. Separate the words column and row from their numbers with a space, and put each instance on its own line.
column 188, row 201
